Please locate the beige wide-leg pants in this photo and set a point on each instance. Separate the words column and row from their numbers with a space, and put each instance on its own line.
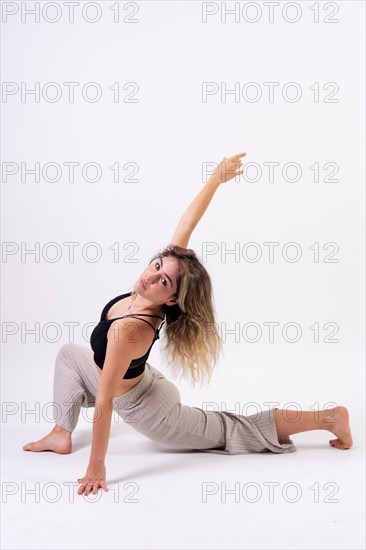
column 153, row 408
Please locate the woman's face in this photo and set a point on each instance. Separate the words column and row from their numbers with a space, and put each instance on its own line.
column 158, row 282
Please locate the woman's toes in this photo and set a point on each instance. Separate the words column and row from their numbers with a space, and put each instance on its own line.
column 33, row 446
column 50, row 443
column 338, row 444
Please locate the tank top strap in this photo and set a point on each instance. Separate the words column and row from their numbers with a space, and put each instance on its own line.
column 159, row 329
column 146, row 315
column 134, row 315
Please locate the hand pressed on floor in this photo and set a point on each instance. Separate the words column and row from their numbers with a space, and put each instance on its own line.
column 94, row 479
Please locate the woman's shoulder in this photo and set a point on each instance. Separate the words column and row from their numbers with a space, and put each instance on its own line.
column 130, row 333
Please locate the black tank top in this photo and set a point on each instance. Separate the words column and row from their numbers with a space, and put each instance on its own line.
column 98, row 339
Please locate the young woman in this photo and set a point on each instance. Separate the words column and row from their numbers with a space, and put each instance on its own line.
column 114, row 374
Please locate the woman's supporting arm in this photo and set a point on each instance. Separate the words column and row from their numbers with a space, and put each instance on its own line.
column 227, row 170
column 125, row 341
column 101, row 430
column 122, row 347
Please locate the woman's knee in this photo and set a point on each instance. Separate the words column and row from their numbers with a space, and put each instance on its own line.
column 66, row 350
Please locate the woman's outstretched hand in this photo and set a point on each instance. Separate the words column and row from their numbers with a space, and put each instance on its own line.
column 228, row 168
column 94, row 478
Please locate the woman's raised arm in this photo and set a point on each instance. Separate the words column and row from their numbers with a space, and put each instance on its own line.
column 226, row 170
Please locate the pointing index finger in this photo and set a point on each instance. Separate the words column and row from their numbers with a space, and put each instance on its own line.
column 238, row 156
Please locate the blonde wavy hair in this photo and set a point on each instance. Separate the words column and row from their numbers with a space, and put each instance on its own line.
column 191, row 343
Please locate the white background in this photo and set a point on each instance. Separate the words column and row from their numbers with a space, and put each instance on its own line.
column 170, row 133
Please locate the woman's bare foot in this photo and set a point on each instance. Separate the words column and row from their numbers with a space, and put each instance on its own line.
column 338, row 424
column 58, row 441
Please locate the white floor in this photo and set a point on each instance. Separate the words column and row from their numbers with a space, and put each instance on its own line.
column 166, row 499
